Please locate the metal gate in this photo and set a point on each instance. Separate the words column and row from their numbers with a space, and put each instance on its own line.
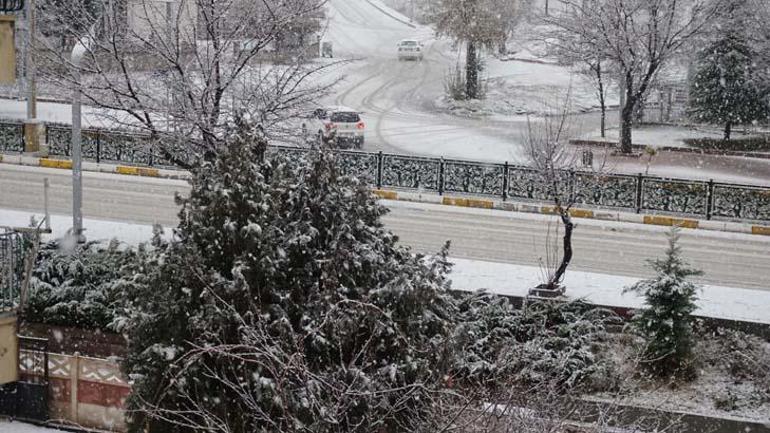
column 28, row 398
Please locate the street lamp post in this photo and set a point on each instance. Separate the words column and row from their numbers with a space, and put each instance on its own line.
column 77, row 174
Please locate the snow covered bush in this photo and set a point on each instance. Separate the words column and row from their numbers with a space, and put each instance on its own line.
column 666, row 322
column 283, row 304
column 73, row 285
column 744, row 358
column 545, row 342
column 558, row 344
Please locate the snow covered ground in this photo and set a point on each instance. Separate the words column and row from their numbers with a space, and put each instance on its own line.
column 516, row 280
column 660, row 135
column 21, row 427
column 472, row 275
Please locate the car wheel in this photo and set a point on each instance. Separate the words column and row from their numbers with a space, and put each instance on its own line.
column 360, row 143
column 320, row 139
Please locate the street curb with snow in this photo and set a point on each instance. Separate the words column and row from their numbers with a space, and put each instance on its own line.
column 467, row 202
column 605, row 215
column 612, row 144
column 66, row 164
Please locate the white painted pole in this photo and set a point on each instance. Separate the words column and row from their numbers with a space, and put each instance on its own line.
column 46, row 186
column 77, row 174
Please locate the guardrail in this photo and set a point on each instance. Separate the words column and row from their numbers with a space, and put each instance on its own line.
column 636, row 193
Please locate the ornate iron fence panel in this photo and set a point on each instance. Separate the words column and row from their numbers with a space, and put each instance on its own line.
column 12, row 246
column 675, row 196
column 358, row 164
column 741, row 202
column 59, row 140
column 530, row 184
column 473, row 177
column 608, row 190
column 12, row 137
column 117, row 147
column 410, row 172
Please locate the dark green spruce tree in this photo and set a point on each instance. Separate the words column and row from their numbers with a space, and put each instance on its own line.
column 666, row 321
column 728, row 87
column 283, row 304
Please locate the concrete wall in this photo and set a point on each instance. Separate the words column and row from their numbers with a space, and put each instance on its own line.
column 85, row 391
column 7, row 50
column 9, row 349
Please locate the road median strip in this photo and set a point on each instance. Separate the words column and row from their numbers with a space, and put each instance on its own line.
column 575, row 213
column 387, row 195
column 55, row 163
column 670, row 221
column 468, row 202
column 137, row 171
column 760, row 230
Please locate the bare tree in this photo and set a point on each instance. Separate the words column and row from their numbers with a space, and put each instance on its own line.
column 550, row 157
column 554, row 163
column 637, row 37
column 562, row 34
column 180, row 70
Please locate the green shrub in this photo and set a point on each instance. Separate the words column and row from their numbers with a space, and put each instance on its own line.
column 74, row 285
column 743, row 144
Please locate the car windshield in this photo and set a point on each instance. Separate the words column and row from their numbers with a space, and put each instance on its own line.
column 345, row 117
column 409, row 43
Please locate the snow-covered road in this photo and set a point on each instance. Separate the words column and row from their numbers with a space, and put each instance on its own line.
column 729, row 259
column 398, row 97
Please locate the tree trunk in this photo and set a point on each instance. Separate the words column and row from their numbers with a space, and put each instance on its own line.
column 471, row 72
column 602, row 101
column 626, row 124
column 728, row 130
column 567, row 257
column 603, row 120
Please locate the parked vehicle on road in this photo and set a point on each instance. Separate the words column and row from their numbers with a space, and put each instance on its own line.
column 410, row 49
column 339, row 126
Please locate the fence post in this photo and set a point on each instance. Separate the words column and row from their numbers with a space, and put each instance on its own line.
column 98, row 146
column 505, row 181
column 441, row 176
column 639, row 192
column 709, row 199
column 379, row 170
column 74, row 376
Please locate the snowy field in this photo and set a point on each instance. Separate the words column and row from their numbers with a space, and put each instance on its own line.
column 472, row 275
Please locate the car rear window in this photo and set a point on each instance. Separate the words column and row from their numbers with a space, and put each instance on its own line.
column 345, row 117
column 409, row 43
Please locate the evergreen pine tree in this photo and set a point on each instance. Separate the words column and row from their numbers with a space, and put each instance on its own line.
column 666, row 321
column 283, row 304
column 728, row 88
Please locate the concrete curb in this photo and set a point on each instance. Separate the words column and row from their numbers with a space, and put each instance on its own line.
column 467, row 202
column 597, row 214
column 675, row 149
column 376, row 6
column 66, row 164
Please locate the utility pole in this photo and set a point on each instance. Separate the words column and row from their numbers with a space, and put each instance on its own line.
column 32, row 130
column 30, row 61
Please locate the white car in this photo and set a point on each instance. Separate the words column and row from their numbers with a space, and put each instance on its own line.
column 410, row 49
column 340, row 126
